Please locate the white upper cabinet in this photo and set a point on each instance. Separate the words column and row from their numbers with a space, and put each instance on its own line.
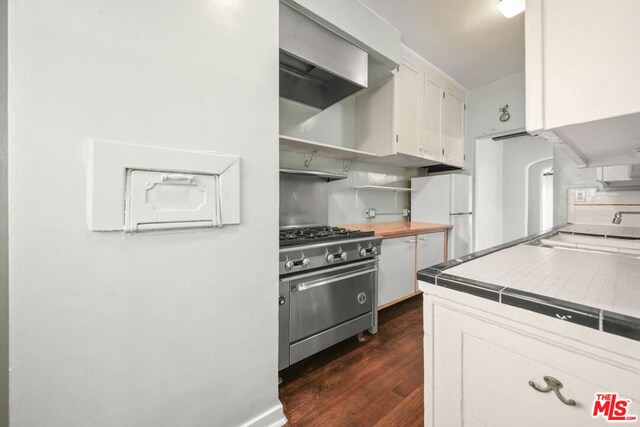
column 432, row 115
column 453, row 144
column 375, row 117
column 407, row 107
column 443, row 120
column 416, row 117
column 581, row 70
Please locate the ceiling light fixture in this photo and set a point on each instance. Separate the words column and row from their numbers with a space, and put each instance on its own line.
column 511, row 8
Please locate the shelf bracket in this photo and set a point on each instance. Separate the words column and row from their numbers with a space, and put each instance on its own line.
column 307, row 162
column 346, row 168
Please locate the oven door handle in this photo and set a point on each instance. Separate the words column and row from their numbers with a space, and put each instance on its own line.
column 322, row 282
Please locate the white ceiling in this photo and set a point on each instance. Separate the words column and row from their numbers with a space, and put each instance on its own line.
column 469, row 40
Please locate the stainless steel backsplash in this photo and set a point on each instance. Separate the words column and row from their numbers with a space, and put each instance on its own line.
column 304, row 200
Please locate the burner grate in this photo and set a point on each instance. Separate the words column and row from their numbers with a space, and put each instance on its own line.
column 306, row 235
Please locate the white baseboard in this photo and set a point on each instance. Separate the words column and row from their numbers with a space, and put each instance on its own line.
column 273, row 417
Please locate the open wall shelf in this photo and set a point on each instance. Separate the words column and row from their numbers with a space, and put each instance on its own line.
column 299, row 145
column 381, row 188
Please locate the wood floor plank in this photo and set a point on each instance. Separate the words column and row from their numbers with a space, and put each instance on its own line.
column 408, row 413
column 375, row 383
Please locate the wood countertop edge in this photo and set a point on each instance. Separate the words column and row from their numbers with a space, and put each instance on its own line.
column 402, row 230
column 405, row 233
column 411, row 233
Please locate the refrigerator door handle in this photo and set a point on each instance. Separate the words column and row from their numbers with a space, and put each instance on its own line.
column 461, row 213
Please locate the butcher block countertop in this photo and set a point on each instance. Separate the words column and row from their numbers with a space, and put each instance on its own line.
column 399, row 229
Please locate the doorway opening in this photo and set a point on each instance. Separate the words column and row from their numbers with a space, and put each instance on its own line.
column 514, row 197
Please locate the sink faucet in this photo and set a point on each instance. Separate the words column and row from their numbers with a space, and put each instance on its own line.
column 617, row 218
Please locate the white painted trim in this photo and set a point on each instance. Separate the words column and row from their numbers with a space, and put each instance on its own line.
column 107, row 175
column 273, row 417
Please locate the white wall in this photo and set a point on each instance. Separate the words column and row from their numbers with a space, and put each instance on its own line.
column 567, row 175
column 502, row 207
column 599, row 207
column 347, row 205
column 153, row 329
column 518, row 155
column 4, row 241
column 483, row 120
column 536, row 201
column 488, row 195
column 483, row 115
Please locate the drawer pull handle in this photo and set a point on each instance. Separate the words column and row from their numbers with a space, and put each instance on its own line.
column 411, row 241
column 555, row 386
column 327, row 281
column 424, row 239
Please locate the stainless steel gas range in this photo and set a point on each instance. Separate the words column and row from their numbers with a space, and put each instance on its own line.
column 328, row 288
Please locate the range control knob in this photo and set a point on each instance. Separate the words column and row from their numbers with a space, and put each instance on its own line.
column 288, row 265
column 363, row 252
column 282, row 300
column 374, row 250
column 343, row 256
column 330, row 258
column 306, row 262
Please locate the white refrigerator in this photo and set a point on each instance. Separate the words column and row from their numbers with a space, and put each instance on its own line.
column 446, row 199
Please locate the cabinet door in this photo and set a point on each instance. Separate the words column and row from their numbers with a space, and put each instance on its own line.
column 430, row 250
column 407, row 107
column 397, row 269
column 563, row 80
column 454, row 128
column 488, row 367
column 374, row 127
column 432, row 118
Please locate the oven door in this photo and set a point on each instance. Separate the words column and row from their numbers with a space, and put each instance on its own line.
column 324, row 299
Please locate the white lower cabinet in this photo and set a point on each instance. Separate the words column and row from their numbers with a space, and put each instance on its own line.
column 396, row 278
column 429, row 250
column 401, row 258
column 478, row 371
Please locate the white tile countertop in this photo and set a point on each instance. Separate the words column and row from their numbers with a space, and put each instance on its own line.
column 602, row 230
column 588, row 286
column 604, row 281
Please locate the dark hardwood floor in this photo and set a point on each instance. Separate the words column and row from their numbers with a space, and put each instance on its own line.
column 375, row 383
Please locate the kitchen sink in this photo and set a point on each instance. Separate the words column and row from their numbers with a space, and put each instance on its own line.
column 630, row 247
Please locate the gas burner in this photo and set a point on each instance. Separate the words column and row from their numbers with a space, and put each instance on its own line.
column 309, row 235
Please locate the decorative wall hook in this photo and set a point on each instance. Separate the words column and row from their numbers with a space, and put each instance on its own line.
column 505, row 116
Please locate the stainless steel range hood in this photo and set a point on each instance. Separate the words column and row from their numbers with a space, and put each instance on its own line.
column 317, row 66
